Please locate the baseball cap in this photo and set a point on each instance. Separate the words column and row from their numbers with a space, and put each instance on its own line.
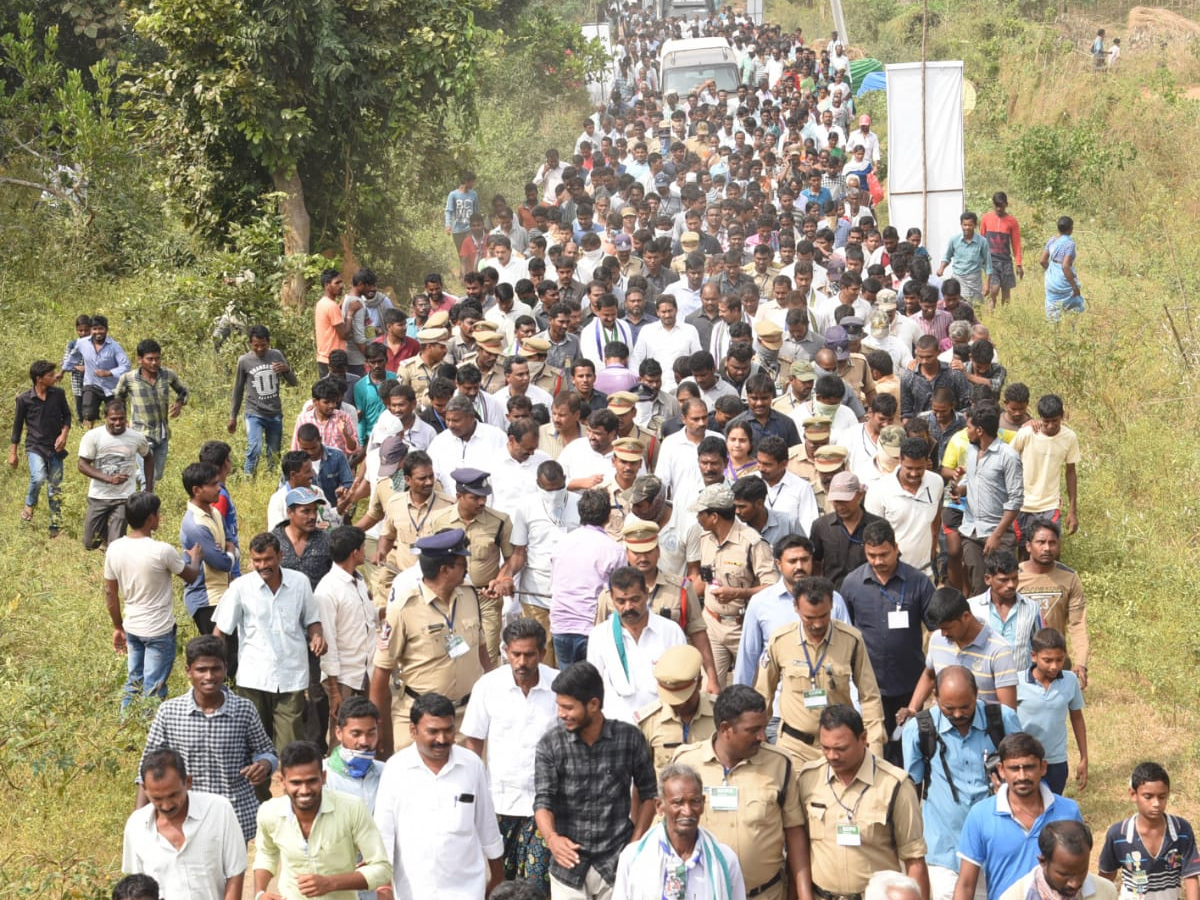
column 303, row 496
column 890, row 439
column 391, row 455
column 845, row 486
column 645, row 487
column 715, row 496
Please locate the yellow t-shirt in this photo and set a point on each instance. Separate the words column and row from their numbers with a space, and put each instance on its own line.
column 1042, row 461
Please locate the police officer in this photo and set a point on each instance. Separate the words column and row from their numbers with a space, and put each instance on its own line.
column 817, row 662
column 623, row 405
column 489, row 347
column 863, row 813
column 408, row 515
column 734, row 563
column 628, row 455
column 828, row 461
column 422, row 368
column 753, row 802
column 801, row 457
column 491, row 561
column 670, row 596
column 433, row 635
column 541, row 373
column 682, row 714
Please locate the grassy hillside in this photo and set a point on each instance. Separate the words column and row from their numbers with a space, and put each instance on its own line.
column 1047, row 131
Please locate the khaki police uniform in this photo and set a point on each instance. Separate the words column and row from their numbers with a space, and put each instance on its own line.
column 414, row 644
column 649, row 440
column 490, row 381
column 879, row 810
column 548, row 378
column 670, row 597
column 416, row 375
column 405, row 523
column 551, row 443
column 814, row 676
column 665, row 732
column 742, row 560
column 856, row 373
column 619, row 498
column 490, row 534
column 748, row 809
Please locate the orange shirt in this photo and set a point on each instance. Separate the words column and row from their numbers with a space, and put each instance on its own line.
column 328, row 315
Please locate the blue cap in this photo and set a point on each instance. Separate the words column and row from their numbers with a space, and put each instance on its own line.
column 303, row 496
column 472, row 481
column 451, row 542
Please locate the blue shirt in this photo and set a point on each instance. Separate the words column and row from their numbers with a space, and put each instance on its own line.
column 965, row 755
column 334, row 473
column 969, row 257
column 778, row 425
column 821, row 197
column 896, row 653
column 769, row 610
column 1043, row 711
column 988, row 657
column 996, row 842
column 191, row 532
column 460, row 206
column 107, row 357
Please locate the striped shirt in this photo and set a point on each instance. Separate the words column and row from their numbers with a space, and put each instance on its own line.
column 1023, row 622
column 988, row 657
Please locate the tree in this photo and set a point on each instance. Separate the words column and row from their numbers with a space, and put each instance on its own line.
column 292, row 93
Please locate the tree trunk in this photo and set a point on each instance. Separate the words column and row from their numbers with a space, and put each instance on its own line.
column 296, row 236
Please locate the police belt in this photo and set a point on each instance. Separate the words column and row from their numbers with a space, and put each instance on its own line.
column 830, row 895
column 804, row 736
column 765, row 886
column 458, row 704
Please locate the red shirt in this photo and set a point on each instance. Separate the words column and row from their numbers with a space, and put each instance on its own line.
column 409, row 348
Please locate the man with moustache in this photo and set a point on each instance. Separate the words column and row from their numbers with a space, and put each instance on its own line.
column 511, row 708
column 625, row 647
column 1064, row 855
column 435, row 814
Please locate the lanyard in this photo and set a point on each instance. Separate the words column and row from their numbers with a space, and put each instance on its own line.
column 850, row 810
column 887, row 595
column 453, row 612
column 418, row 525
column 813, row 670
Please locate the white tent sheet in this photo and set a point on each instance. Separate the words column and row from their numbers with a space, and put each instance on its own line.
column 944, row 167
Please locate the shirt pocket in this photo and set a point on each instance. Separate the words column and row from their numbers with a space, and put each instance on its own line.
column 816, row 815
column 458, row 815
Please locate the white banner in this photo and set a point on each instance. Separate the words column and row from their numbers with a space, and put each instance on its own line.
column 839, row 23
column 931, row 198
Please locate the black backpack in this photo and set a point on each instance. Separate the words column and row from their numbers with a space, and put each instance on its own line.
column 930, row 742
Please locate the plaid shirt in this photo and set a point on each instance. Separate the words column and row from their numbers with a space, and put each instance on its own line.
column 333, row 430
column 216, row 748
column 587, row 790
column 149, row 405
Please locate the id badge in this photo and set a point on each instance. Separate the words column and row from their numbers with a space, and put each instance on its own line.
column 723, row 799
column 456, row 646
column 898, row 619
column 816, row 699
column 848, row 836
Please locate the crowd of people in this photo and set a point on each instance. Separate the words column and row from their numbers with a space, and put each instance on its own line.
column 701, row 548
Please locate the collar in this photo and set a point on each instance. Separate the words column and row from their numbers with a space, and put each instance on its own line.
column 978, row 723
column 545, row 676
column 348, row 577
column 327, row 805
column 981, row 639
column 194, row 707
column 1004, row 809
column 866, row 773
column 1033, row 680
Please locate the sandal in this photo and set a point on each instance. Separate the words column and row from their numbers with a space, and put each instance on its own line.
column 27, row 514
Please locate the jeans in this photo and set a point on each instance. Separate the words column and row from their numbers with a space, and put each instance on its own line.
column 256, row 428
column 570, row 648
column 150, row 664
column 1056, row 776
column 159, row 455
column 50, row 473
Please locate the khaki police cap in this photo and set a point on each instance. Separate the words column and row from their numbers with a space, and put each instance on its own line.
column 433, row 335
column 630, row 449
column 640, row 536
column 830, row 458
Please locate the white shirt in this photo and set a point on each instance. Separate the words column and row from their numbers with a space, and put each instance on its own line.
column 142, row 569
column 894, row 346
column 862, row 449
column 350, row 624
column 687, row 302
column 436, row 839
column 627, row 692
column 579, row 460
column 594, row 336
column 213, row 849
column 513, row 481
column 633, row 881
column 844, row 420
column 507, row 321
column 910, row 515
column 489, row 410
column 538, row 528
column 535, row 394
column 271, row 628
column 679, row 467
column 793, row 496
column 480, row 451
column 655, row 342
column 512, row 723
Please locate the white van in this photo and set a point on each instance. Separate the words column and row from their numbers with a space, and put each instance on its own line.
column 685, row 65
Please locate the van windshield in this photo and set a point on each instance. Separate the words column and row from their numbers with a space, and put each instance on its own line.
column 683, row 79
